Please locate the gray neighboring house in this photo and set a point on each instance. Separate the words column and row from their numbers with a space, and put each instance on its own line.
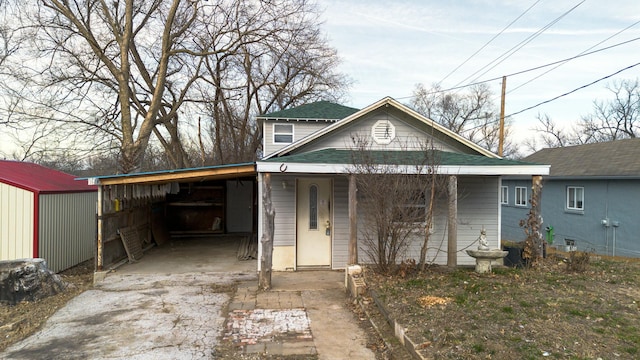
column 589, row 200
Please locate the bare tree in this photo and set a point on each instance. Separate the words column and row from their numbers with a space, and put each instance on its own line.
column 611, row 120
column 397, row 202
column 141, row 72
column 282, row 60
column 471, row 115
column 617, row 118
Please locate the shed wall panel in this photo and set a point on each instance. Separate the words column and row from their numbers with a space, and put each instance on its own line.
column 16, row 223
column 67, row 228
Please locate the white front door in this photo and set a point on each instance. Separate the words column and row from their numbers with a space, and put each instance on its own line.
column 314, row 225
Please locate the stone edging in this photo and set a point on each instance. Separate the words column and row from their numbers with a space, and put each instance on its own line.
column 355, row 287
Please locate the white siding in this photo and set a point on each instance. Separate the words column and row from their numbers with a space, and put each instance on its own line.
column 301, row 129
column 407, row 136
column 283, row 198
column 67, row 230
column 340, row 247
column 16, row 223
column 478, row 207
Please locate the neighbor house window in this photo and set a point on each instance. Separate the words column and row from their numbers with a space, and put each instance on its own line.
column 521, row 196
column 504, row 195
column 575, row 198
column 282, row 133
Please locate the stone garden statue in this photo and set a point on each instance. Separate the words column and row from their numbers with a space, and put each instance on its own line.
column 483, row 240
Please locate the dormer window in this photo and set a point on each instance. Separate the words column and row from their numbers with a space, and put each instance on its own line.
column 282, row 133
column 383, row 132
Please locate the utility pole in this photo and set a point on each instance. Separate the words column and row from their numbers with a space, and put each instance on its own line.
column 501, row 137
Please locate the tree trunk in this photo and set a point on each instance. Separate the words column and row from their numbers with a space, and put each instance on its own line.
column 266, row 259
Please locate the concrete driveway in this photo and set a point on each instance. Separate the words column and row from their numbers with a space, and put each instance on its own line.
column 169, row 305
column 174, row 302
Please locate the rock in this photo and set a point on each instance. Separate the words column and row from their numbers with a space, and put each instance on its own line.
column 27, row 280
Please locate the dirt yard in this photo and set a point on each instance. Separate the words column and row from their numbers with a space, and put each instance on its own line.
column 19, row 321
column 551, row 312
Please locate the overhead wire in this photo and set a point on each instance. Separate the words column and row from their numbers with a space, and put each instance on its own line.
column 574, row 90
column 517, row 47
column 488, row 42
column 560, row 63
column 557, row 97
column 529, row 69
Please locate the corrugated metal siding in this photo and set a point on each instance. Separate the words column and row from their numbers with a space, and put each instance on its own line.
column 340, row 246
column 301, row 129
column 406, row 136
column 67, row 228
column 16, row 223
column 284, row 202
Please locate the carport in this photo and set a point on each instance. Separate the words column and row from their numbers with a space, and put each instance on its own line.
column 197, row 219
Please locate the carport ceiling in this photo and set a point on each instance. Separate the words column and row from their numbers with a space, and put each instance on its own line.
column 219, row 172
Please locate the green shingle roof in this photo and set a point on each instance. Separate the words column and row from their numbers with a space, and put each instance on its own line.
column 321, row 110
column 441, row 158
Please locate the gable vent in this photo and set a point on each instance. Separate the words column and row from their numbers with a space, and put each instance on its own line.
column 383, row 132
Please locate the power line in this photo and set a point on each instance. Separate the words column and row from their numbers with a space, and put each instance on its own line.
column 574, row 90
column 569, row 59
column 530, row 69
column 518, row 46
column 488, row 42
column 555, row 98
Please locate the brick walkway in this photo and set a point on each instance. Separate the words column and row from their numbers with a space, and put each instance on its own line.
column 274, row 322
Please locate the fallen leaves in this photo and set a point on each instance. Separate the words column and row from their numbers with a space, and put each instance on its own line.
column 429, row 301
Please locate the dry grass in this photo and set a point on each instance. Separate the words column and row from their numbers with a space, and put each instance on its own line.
column 21, row 320
column 559, row 311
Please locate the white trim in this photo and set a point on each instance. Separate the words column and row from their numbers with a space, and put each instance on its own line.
column 383, row 102
column 297, row 168
column 506, row 188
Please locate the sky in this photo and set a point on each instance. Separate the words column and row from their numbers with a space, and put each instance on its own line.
column 387, row 47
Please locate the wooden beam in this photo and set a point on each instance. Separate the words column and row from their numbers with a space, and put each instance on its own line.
column 182, row 175
column 452, row 222
column 353, row 221
column 100, row 241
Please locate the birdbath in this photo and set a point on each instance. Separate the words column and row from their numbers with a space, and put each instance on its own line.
column 484, row 255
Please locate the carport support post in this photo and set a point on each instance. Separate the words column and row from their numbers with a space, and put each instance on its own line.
column 99, row 240
column 452, row 222
column 266, row 257
column 353, row 221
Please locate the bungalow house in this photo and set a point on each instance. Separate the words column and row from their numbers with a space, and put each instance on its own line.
column 308, row 158
column 314, row 194
column 589, row 200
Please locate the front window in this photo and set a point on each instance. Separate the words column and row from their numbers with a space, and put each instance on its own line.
column 282, row 133
column 412, row 209
column 575, row 198
column 521, row 196
column 504, row 195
